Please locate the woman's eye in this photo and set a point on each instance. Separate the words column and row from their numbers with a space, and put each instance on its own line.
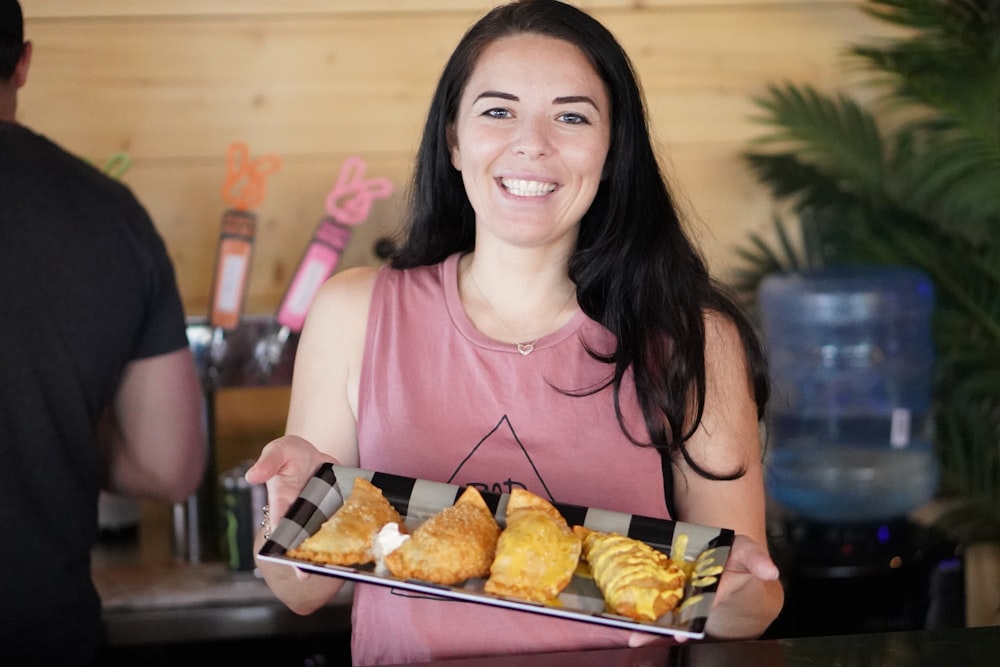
column 497, row 113
column 573, row 118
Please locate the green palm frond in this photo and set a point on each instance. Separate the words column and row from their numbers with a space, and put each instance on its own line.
column 791, row 178
column 951, row 63
column 836, row 135
column 954, row 180
column 970, row 471
column 762, row 259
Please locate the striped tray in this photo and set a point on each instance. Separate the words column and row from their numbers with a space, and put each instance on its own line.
column 418, row 499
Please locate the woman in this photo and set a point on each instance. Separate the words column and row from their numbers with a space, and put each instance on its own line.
column 545, row 324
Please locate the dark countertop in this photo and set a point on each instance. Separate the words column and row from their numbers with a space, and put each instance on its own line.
column 968, row 647
column 151, row 595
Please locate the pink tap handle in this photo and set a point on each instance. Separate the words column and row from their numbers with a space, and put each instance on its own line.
column 348, row 205
column 351, row 199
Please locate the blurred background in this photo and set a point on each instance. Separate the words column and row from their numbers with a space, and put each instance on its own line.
column 313, row 83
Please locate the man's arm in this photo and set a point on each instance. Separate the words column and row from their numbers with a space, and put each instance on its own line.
column 153, row 436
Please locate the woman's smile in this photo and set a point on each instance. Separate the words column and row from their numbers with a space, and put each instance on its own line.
column 525, row 188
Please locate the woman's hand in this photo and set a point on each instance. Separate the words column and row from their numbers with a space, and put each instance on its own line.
column 284, row 466
column 637, row 639
column 749, row 596
column 748, row 565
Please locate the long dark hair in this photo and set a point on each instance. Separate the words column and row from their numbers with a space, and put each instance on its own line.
column 635, row 270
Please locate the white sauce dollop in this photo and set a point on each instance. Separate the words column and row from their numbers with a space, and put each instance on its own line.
column 388, row 540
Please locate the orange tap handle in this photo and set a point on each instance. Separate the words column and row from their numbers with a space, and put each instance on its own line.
column 244, row 186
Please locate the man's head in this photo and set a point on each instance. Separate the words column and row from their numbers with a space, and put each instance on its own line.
column 11, row 37
column 15, row 54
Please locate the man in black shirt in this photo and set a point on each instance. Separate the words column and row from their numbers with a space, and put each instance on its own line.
column 98, row 388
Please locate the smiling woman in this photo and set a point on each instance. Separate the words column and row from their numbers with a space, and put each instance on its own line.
column 538, row 213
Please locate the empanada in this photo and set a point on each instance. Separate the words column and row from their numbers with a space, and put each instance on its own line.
column 537, row 552
column 455, row 544
column 636, row 580
column 346, row 537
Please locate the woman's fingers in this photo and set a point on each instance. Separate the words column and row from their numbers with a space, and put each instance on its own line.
column 750, row 557
column 284, row 465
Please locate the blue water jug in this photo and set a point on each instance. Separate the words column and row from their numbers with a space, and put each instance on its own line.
column 852, row 361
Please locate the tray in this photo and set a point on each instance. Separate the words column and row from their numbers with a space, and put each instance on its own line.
column 417, row 500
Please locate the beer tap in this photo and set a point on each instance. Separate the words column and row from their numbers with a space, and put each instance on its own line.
column 348, row 204
column 242, row 189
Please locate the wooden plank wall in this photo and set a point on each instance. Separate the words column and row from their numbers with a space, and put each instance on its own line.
column 175, row 83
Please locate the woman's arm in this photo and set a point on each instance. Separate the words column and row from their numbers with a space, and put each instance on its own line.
column 322, row 420
column 749, row 595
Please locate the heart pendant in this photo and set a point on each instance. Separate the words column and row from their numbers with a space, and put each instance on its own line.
column 525, row 348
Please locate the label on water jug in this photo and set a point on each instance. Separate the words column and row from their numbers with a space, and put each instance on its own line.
column 899, row 434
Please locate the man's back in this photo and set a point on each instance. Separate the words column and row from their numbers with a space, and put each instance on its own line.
column 87, row 286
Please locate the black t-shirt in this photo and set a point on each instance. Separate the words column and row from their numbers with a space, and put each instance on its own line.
column 86, row 286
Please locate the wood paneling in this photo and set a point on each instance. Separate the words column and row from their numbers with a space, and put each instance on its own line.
column 73, row 8
column 318, row 81
column 315, row 81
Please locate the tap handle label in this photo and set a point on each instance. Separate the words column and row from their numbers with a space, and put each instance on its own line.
column 318, row 263
column 232, row 267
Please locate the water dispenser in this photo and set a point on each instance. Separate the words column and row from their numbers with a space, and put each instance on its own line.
column 852, row 359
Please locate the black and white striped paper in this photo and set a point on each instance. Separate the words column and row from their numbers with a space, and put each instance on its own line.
column 419, row 499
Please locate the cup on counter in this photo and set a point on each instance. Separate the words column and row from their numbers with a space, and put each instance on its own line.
column 242, row 513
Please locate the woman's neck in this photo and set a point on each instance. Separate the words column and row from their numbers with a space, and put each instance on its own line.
column 516, row 301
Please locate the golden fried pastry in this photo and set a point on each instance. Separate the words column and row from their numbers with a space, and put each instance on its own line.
column 455, row 544
column 635, row 579
column 537, row 552
column 346, row 537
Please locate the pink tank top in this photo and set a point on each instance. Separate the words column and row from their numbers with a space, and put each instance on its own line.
column 441, row 401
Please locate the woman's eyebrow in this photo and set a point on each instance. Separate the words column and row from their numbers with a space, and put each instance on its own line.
column 574, row 99
column 496, row 93
column 568, row 99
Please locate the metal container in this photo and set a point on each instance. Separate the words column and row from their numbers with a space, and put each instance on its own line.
column 242, row 513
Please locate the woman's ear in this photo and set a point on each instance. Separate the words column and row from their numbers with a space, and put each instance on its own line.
column 456, row 154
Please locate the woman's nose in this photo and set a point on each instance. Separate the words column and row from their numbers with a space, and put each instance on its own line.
column 533, row 139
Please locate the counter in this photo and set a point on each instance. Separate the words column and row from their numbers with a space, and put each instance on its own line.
column 156, row 601
column 971, row 647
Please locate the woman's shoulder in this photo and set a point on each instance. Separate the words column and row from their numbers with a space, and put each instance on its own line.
column 723, row 340
column 346, row 292
column 352, row 289
column 354, row 278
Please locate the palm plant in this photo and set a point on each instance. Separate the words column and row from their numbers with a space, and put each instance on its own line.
column 911, row 178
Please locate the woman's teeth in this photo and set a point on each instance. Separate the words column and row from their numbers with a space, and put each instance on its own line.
column 527, row 188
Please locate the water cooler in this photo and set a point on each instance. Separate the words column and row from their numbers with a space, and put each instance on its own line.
column 850, row 450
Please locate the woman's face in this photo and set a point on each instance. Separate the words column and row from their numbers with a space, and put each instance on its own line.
column 530, row 138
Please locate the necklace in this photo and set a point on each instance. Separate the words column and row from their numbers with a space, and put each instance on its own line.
column 524, row 348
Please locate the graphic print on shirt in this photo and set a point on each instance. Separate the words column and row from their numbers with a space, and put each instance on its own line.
column 519, row 474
